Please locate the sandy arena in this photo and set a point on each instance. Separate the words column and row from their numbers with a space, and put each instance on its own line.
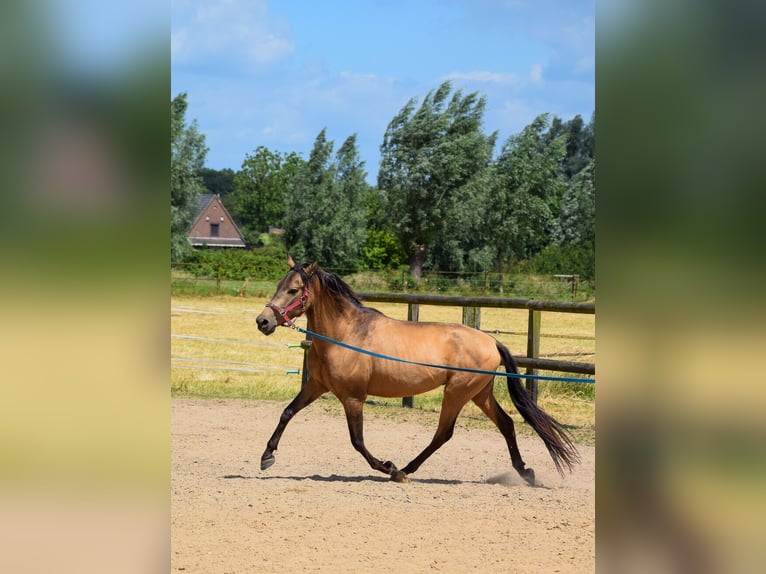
column 321, row 508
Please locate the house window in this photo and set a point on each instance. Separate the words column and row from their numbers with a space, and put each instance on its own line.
column 214, row 229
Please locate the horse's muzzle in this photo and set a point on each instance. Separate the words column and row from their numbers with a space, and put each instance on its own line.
column 265, row 324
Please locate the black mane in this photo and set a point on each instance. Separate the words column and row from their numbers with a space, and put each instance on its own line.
column 337, row 287
column 339, row 290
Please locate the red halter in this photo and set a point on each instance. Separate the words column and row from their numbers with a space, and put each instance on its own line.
column 283, row 311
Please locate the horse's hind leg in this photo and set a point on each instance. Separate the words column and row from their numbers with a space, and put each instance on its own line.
column 451, row 406
column 354, row 416
column 486, row 401
column 310, row 392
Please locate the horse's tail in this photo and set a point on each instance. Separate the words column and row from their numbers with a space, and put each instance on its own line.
column 557, row 439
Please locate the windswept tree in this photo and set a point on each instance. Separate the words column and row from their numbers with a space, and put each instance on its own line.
column 187, row 157
column 325, row 211
column 580, row 142
column 350, row 223
column 573, row 249
column 429, row 153
column 577, row 220
column 464, row 242
column 526, row 193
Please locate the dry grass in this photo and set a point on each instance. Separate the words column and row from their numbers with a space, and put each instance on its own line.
column 237, row 361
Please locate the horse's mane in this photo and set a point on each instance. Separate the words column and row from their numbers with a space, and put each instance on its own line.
column 338, row 289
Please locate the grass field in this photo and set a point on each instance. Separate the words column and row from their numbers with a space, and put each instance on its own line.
column 217, row 352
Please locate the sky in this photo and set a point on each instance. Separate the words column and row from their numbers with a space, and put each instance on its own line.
column 274, row 74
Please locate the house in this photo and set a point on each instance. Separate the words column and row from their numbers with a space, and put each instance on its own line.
column 213, row 226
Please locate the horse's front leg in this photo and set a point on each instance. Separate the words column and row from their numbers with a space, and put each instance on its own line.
column 355, row 418
column 310, row 392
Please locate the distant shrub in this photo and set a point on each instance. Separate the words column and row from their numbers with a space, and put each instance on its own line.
column 263, row 263
column 381, row 251
column 572, row 259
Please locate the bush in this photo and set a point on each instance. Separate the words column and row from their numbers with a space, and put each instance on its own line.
column 572, row 259
column 264, row 263
column 381, row 251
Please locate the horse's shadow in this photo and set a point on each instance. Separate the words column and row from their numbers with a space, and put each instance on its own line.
column 341, row 478
column 360, row 479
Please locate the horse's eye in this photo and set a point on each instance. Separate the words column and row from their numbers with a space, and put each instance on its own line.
column 292, row 291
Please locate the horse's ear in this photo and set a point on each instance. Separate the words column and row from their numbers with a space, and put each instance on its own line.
column 311, row 268
column 290, row 262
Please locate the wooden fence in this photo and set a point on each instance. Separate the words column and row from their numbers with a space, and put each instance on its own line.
column 472, row 317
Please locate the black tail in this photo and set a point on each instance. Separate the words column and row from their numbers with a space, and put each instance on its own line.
column 557, row 439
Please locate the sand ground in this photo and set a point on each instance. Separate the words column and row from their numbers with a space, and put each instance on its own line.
column 320, row 508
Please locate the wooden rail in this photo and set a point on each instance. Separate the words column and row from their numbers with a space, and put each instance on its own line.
column 497, row 302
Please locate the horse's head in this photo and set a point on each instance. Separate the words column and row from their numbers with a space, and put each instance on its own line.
column 290, row 300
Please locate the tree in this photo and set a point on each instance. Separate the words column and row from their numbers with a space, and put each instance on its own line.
column 574, row 237
column 325, row 212
column 218, row 181
column 258, row 200
column 526, row 192
column 464, row 242
column 580, row 146
column 187, row 156
column 577, row 221
column 381, row 249
column 350, row 223
column 428, row 155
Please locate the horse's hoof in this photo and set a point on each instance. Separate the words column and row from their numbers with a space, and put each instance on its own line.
column 267, row 461
column 529, row 476
column 399, row 476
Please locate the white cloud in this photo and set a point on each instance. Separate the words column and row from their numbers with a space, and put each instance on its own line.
column 178, row 43
column 270, row 48
column 536, row 73
column 228, row 32
column 352, row 77
column 484, row 76
column 500, row 79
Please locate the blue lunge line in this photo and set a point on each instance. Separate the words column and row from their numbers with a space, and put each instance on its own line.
column 464, row 369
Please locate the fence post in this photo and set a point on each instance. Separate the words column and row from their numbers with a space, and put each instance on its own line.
column 413, row 314
column 472, row 317
column 533, row 350
column 305, row 345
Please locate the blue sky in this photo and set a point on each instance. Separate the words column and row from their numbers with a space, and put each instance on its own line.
column 269, row 73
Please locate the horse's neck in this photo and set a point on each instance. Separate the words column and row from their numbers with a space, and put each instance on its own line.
column 329, row 319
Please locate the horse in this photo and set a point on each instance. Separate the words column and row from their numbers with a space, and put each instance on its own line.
column 335, row 313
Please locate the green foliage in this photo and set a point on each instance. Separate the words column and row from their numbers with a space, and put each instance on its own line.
column 266, row 263
column 218, row 182
column 187, row 156
column 577, row 221
column 428, row 155
column 580, row 146
column 526, row 192
column 260, row 189
column 464, row 244
column 573, row 248
column 325, row 215
column 570, row 259
column 381, row 251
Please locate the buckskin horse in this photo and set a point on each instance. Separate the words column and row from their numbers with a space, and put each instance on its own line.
column 335, row 313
